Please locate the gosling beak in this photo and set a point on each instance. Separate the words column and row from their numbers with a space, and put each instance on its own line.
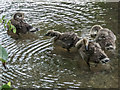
column 46, row 34
column 93, row 35
column 105, row 60
column 23, row 15
column 110, row 48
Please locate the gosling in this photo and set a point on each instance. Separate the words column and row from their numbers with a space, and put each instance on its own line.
column 21, row 26
column 69, row 39
column 91, row 51
column 105, row 37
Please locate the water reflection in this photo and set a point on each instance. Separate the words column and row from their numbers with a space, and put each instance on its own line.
column 37, row 62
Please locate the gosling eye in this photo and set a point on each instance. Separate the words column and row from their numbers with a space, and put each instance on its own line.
column 102, row 57
column 102, row 36
column 95, row 34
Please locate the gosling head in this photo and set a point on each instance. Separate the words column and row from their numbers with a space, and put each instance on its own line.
column 52, row 33
column 97, row 55
column 18, row 16
column 106, row 39
column 92, row 51
column 94, row 30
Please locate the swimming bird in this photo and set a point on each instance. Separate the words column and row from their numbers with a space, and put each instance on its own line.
column 20, row 24
column 91, row 51
column 105, row 37
column 68, row 39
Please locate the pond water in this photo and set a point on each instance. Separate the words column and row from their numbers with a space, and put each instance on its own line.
column 34, row 61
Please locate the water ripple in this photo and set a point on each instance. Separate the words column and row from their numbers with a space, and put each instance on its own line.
column 32, row 63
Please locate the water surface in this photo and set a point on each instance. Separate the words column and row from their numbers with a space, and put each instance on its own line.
column 34, row 61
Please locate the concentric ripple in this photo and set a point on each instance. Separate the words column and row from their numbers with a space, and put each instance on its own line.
column 33, row 60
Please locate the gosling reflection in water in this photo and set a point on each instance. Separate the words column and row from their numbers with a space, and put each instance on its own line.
column 67, row 39
column 91, row 52
column 105, row 37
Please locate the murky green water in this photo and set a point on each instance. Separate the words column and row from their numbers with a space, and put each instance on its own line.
column 33, row 59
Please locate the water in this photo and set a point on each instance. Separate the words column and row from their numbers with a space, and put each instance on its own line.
column 34, row 61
